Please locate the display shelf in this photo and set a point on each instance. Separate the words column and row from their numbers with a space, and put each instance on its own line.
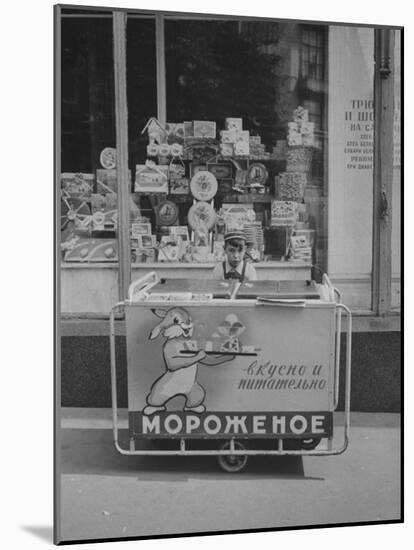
column 182, row 265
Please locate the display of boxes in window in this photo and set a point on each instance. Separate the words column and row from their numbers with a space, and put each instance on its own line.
column 178, row 183
column 138, row 229
column 143, row 255
column 200, row 150
column 234, row 123
column 298, row 159
column 201, row 254
column 300, row 248
column 301, row 132
column 308, row 140
column 179, row 231
column 146, row 241
column 221, row 170
column 204, row 129
column 228, row 136
column 254, row 238
column 180, row 186
column 241, row 149
column 291, row 186
column 227, row 149
column 236, row 215
column 151, row 178
column 284, row 213
column 242, row 136
column 294, row 138
column 169, row 252
column 307, row 128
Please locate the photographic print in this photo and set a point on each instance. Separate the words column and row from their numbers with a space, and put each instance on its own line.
column 229, row 359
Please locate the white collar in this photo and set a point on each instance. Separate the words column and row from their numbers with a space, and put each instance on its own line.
column 239, row 268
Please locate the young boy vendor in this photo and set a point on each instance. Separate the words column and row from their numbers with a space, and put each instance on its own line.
column 235, row 266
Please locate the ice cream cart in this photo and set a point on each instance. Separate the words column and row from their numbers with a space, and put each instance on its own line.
column 233, row 365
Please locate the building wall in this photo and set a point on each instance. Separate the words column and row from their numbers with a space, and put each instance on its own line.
column 376, row 371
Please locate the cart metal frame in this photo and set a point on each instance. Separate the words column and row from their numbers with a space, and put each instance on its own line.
column 333, row 295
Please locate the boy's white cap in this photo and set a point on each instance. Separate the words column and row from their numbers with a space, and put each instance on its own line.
column 235, row 235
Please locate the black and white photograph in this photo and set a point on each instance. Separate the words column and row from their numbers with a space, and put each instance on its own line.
column 212, row 343
column 249, row 377
column 225, row 217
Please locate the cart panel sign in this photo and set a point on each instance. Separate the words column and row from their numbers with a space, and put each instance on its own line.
column 229, row 424
column 195, row 361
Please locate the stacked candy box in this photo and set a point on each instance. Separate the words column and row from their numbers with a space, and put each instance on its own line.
column 234, row 141
column 254, row 239
column 300, row 248
column 300, row 130
column 151, row 178
column 178, row 183
column 298, row 159
column 257, row 149
column 291, row 185
column 284, row 213
column 234, row 124
column 200, row 150
column 204, row 129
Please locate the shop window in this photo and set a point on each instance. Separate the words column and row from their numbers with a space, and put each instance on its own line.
column 88, row 182
column 87, row 78
column 268, row 127
column 240, row 113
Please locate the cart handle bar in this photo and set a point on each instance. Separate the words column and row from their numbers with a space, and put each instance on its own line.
column 143, row 281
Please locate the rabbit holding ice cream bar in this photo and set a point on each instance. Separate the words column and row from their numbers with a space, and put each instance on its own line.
column 180, row 378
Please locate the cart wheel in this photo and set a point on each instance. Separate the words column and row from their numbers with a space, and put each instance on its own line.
column 309, row 443
column 232, row 463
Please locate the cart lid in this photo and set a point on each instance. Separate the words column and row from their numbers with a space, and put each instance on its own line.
column 218, row 289
column 278, row 289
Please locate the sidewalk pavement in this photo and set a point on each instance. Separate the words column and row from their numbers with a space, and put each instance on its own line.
column 105, row 494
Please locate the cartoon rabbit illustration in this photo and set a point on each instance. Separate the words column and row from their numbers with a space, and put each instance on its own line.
column 180, row 378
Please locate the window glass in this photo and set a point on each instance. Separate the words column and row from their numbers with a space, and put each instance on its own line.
column 88, row 183
column 246, row 107
column 89, row 186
